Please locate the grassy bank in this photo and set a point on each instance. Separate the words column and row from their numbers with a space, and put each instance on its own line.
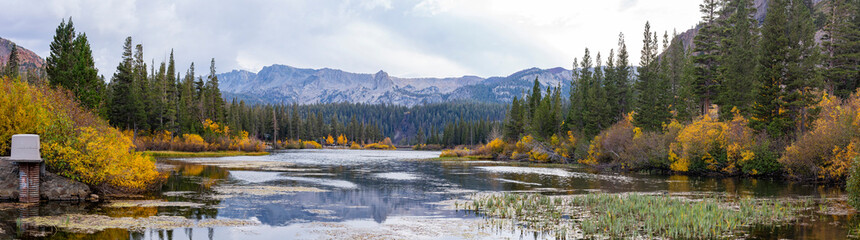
column 176, row 154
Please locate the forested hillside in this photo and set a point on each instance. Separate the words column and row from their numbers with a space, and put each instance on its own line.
column 744, row 99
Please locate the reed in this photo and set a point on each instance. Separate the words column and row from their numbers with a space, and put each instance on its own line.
column 634, row 215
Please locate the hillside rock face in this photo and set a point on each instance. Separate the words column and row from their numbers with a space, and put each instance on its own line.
column 285, row 84
column 28, row 59
column 761, row 12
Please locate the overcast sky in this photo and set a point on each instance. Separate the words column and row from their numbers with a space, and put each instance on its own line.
column 409, row 38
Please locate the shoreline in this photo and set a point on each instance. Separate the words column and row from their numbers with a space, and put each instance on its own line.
column 179, row 154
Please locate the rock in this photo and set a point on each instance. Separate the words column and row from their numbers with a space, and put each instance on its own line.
column 51, row 187
column 94, row 198
column 55, row 187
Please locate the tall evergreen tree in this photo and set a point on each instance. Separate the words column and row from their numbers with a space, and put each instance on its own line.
column 11, row 69
column 595, row 106
column 122, row 107
column 802, row 76
column 89, row 88
column 140, row 91
column 623, row 95
column 773, row 48
column 534, row 98
column 574, row 113
column 706, row 54
column 59, row 64
column 216, row 103
column 841, row 43
column 70, row 65
column 740, row 34
column 653, row 100
column 584, row 89
column 171, row 96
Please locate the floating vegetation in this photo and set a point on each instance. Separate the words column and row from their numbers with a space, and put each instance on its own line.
column 554, row 172
column 15, row 205
column 633, row 215
column 517, row 182
column 263, row 190
column 248, row 165
column 402, row 176
column 178, row 193
column 178, row 154
column 94, row 223
column 320, row 211
column 152, row 203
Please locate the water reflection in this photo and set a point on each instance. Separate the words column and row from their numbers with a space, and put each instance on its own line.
column 373, row 188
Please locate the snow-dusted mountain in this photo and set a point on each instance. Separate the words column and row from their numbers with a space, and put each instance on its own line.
column 285, row 84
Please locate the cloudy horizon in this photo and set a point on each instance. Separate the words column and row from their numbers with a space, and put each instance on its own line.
column 412, row 38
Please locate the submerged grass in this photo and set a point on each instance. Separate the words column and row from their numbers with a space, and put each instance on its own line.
column 634, row 215
column 178, row 154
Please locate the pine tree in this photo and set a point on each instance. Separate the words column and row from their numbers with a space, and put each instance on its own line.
column 171, row 98
column 216, row 103
column 186, row 110
column 60, row 62
column 543, row 119
column 513, row 121
column 573, row 121
column 121, row 107
column 653, row 101
column 684, row 105
column 802, row 76
column 70, row 65
column 613, row 112
column 11, row 69
column 740, row 34
column 140, row 90
column 841, row 43
column 595, row 106
column 534, row 98
column 584, row 89
column 773, row 47
column 623, row 96
column 706, row 55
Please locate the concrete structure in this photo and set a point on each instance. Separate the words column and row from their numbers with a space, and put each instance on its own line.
column 25, row 152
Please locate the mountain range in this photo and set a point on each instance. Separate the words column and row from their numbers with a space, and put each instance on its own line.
column 285, row 84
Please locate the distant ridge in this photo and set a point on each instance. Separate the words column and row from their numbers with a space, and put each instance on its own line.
column 28, row 59
column 286, row 84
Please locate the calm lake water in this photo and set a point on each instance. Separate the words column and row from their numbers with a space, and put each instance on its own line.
column 324, row 194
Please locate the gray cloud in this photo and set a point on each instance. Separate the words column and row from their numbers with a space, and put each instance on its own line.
column 406, row 38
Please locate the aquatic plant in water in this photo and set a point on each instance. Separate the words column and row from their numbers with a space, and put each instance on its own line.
column 633, row 215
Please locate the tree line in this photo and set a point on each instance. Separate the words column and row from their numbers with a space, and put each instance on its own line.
column 146, row 97
column 771, row 72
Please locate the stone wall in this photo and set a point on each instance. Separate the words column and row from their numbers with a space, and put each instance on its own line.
column 52, row 186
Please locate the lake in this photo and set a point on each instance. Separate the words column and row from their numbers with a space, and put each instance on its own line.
column 324, row 194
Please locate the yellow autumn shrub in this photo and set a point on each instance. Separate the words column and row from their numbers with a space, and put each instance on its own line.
column 102, row 156
column 826, row 151
column 491, row 149
column 385, row 144
column 692, row 147
column 708, row 145
column 311, row 145
column 75, row 143
column 193, row 143
column 341, row 140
